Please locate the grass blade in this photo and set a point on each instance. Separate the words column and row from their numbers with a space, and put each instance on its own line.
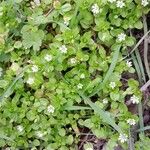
column 110, row 70
column 137, row 54
column 106, row 116
column 137, row 45
column 145, row 86
column 146, row 48
column 131, row 141
column 143, row 129
column 76, row 108
column 9, row 90
column 137, row 68
column 140, row 109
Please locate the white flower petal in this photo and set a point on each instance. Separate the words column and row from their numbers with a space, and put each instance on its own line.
column 105, row 101
column 121, row 37
column 129, row 64
column 95, row 9
column 144, row 3
column 48, row 57
column 120, row 4
column 20, row 128
column 112, row 85
column 111, row 1
column 131, row 122
column 80, row 86
column 35, row 68
column 82, row 76
column 73, row 60
column 30, row 80
column 134, row 99
column 63, row 49
column 50, row 109
column 39, row 134
column 123, row 138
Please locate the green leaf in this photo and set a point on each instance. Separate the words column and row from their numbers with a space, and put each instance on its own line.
column 10, row 89
column 62, row 132
column 31, row 115
column 116, row 49
column 86, row 18
column 130, row 41
column 32, row 37
column 88, row 146
column 76, row 108
column 17, row 44
column 70, row 139
column 138, row 25
column 66, row 7
column 105, row 116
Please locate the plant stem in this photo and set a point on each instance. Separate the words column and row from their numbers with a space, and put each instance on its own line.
column 146, row 47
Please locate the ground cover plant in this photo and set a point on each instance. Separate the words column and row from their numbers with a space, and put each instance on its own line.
column 66, row 68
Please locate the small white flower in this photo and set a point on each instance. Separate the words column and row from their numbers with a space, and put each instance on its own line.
column 129, row 64
column 80, row 86
column 131, row 122
column 35, row 68
column 73, row 60
column 30, row 80
column 95, row 9
column 37, row 2
column 7, row 148
column 50, row 109
column 123, row 138
column 20, row 128
column 82, row 76
column 111, row 28
column 66, row 20
column 105, row 101
column 1, row 71
column 112, row 85
column 120, row 4
column 89, row 148
column 39, row 134
column 144, row 3
column 121, row 37
column 14, row 67
column 134, row 99
column 66, row 23
column 48, row 57
column 111, row 1
column 63, row 49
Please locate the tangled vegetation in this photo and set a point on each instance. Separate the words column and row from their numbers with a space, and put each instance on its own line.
column 61, row 70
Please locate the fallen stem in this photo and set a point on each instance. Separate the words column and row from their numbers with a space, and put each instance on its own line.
column 145, row 86
column 137, row 45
